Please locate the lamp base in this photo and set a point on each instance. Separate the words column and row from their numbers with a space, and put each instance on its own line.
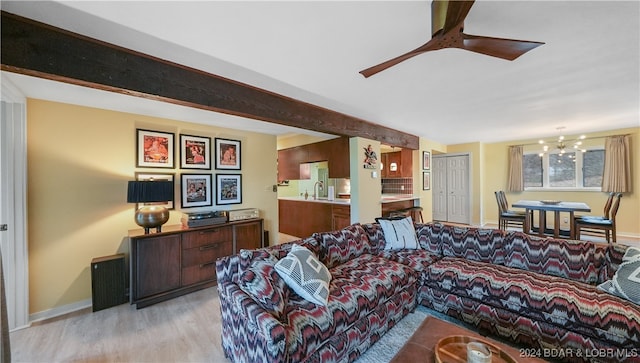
column 151, row 216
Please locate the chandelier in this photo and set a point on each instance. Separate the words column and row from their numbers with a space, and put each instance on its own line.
column 562, row 144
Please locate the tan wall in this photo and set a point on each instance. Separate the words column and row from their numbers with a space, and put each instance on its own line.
column 79, row 162
column 366, row 190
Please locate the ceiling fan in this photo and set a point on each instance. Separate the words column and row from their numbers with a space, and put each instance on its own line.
column 447, row 24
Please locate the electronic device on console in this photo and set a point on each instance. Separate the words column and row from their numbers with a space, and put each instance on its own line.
column 200, row 219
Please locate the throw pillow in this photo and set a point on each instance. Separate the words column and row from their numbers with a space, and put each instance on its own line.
column 399, row 233
column 265, row 286
column 305, row 274
column 626, row 281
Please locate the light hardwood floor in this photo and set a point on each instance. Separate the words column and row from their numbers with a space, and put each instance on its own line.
column 185, row 329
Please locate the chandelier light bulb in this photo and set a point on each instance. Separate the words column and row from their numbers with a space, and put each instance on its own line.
column 541, row 142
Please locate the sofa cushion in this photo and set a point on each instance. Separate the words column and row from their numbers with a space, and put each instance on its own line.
column 475, row 244
column 343, row 245
column 429, row 237
column 265, row 286
column 358, row 287
column 305, row 274
column 418, row 260
column 626, row 281
column 376, row 237
column 575, row 260
column 399, row 233
column 572, row 305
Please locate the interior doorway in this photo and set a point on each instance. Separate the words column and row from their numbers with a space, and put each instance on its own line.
column 451, row 187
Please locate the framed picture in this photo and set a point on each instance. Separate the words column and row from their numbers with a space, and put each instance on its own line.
column 196, row 190
column 155, row 149
column 157, row 176
column 227, row 154
column 426, row 160
column 195, row 152
column 426, row 180
column 229, row 188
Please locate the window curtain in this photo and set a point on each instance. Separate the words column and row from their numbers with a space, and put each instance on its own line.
column 617, row 164
column 515, row 182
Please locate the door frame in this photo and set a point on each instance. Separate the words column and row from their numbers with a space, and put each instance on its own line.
column 13, row 209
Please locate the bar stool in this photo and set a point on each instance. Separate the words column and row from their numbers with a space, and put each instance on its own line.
column 414, row 212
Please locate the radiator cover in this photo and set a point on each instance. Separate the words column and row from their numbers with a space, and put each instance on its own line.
column 108, row 281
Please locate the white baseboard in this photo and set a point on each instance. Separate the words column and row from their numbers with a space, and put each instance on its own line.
column 60, row 310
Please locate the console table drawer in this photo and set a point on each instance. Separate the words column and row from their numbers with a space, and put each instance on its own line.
column 199, row 273
column 206, row 253
column 206, row 237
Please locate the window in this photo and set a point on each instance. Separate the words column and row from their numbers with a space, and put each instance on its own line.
column 569, row 170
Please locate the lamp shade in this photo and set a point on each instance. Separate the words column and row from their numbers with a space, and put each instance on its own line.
column 150, row 191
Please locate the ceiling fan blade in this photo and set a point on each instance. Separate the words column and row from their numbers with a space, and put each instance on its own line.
column 509, row 49
column 392, row 62
column 456, row 12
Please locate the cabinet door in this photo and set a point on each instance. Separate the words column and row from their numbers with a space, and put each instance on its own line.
column 157, row 265
column 384, row 165
column 248, row 235
column 406, row 161
column 394, row 165
column 341, row 216
column 339, row 166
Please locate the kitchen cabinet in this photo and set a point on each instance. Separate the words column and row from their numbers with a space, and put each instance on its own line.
column 340, row 216
column 403, row 161
column 181, row 260
column 292, row 161
column 302, row 218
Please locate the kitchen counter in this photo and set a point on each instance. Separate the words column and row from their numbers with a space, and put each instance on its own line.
column 386, row 198
column 319, row 200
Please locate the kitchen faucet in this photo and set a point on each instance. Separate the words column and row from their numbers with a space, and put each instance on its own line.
column 315, row 195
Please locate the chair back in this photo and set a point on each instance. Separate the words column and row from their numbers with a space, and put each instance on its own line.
column 614, row 207
column 502, row 201
column 607, row 206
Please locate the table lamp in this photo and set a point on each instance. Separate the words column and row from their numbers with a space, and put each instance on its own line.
column 150, row 215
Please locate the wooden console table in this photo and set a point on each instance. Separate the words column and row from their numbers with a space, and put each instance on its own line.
column 181, row 260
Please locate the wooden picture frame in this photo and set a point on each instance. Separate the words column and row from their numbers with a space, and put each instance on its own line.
column 426, row 160
column 155, row 149
column 195, row 190
column 228, row 154
column 228, row 189
column 426, row 180
column 195, row 152
column 142, row 176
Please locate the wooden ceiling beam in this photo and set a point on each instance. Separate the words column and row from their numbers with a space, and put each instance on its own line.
column 40, row 50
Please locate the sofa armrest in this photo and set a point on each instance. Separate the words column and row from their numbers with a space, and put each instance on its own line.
column 249, row 332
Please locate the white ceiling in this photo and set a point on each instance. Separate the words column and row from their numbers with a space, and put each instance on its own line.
column 586, row 78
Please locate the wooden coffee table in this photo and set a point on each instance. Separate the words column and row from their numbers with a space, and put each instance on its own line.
column 420, row 347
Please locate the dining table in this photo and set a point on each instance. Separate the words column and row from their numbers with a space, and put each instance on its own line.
column 556, row 206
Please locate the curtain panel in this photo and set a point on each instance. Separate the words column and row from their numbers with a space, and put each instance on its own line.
column 617, row 164
column 515, row 182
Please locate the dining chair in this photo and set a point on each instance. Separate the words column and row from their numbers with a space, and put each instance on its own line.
column 605, row 212
column 508, row 218
column 598, row 225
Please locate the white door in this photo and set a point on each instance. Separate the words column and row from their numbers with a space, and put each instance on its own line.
column 13, row 205
column 439, row 188
column 451, row 197
column 458, row 189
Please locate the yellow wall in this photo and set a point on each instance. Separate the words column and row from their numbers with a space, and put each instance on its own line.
column 79, row 162
column 366, row 190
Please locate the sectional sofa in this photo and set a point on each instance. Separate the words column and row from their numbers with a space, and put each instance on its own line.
column 539, row 293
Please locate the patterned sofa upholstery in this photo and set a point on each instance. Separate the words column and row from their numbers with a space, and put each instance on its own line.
column 536, row 292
